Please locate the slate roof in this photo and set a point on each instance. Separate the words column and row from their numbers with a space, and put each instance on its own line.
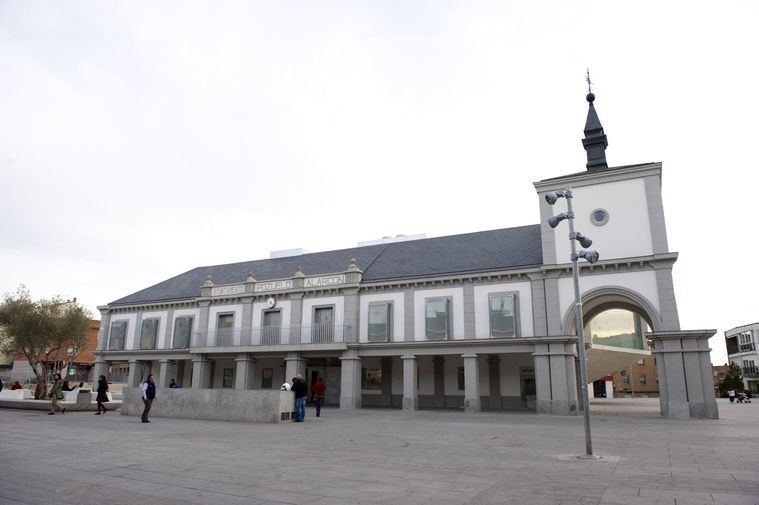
column 483, row 251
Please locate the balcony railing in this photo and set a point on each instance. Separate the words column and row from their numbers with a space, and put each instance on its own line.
column 273, row 335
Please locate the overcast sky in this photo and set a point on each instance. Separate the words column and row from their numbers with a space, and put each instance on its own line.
column 139, row 140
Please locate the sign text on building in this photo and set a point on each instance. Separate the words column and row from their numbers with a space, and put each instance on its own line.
column 262, row 287
column 227, row 290
column 324, row 281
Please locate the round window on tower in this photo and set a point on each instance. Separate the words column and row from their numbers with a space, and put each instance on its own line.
column 599, row 217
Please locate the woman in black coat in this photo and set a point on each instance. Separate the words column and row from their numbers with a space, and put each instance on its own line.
column 102, row 396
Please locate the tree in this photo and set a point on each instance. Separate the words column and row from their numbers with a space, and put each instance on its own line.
column 733, row 380
column 48, row 332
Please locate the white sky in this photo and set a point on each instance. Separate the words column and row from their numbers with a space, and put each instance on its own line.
column 139, row 140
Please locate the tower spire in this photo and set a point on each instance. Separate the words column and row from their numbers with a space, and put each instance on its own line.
column 595, row 140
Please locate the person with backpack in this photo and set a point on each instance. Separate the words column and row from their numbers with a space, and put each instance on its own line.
column 56, row 395
column 148, row 395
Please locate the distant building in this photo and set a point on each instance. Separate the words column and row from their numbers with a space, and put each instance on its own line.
column 638, row 380
column 742, row 350
column 79, row 369
column 719, row 372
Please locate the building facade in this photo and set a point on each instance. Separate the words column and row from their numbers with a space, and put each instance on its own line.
column 742, row 350
column 476, row 321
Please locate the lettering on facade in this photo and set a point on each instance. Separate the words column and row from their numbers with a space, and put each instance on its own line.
column 327, row 280
column 273, row 286
column 227, row 290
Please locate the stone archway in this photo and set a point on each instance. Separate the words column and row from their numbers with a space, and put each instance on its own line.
column 604, row 298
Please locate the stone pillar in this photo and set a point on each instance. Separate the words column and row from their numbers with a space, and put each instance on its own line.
column 134, row 376
column 167, row 370
column 471, row 383
column 105, row 327
column 683, row 364
column 205, row 310
column 410, row 385
column 294, row 365
column 494, row 381
column 386, row 365
column 408, row 315
column 246, row 333
column 100, row 368
column 201, row 373
column 296, row 319
column 168, row 331
column 469, row 310
column 350, row 317
column 350, row 380
column 246, row 372
column 556, row 378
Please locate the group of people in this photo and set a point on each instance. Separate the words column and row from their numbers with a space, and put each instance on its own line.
column 300, row 389
column 740, row 397
column 59, row 386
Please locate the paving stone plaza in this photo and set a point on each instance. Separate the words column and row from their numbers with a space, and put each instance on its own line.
column 378, row 456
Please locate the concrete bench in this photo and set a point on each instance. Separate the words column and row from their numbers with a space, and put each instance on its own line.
column 18, row 394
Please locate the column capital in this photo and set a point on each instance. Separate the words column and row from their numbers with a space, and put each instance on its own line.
column 470, row 355
column 409, row 356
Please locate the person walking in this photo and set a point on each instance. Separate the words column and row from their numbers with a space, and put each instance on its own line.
column 301, row 392
column 56, row 395
column 148, row 395
column 102, row 396
column 317, row 394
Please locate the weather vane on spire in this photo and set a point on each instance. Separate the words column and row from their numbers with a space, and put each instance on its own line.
column 587, row 78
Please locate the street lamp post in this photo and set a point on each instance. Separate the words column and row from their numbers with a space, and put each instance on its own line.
column 590, row 257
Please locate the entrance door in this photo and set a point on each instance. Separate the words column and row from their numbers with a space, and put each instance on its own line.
column 311, row 375
column 527, row 383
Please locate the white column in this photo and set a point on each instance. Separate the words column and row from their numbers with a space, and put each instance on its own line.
column 410, row 393
column 294, row 365
column 166, row 369
column 350, row 380
column 134, row 376
column 246, row 371
column 201, row 373
column 471, row 383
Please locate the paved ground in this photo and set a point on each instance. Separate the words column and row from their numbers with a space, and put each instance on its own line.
column 383, row 457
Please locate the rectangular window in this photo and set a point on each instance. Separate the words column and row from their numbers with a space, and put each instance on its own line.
column 267, row 376
column 642, row 379
column 228, row 378
column 732, row 344
column 642, row 361
column 323, row 329
column 148, row 333
column 225, row 327
column 502, row 315
column 380, row 322
column 118, row 335
column 746, row 342
column 271, row 328
column 748, row 366
column 625, row 379
column 182, row 332
column 437, row 319
column 461, row 378
column 72, row 351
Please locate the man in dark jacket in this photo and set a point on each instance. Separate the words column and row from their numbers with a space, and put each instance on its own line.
column 301, row 391
column 148, row 395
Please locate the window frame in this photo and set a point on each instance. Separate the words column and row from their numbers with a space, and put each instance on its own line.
column 157, row 321
column 449, row 319
column 125, row 323
column 191, row 318
column 276, row 330
column 388, row 337
column 515, row 297
column 330, row 337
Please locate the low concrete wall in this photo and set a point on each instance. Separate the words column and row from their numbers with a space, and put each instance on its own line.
column 16, row 394
column 261, row 406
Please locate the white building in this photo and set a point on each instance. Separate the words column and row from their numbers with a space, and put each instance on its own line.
column 483, row 320
column 741, row 350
